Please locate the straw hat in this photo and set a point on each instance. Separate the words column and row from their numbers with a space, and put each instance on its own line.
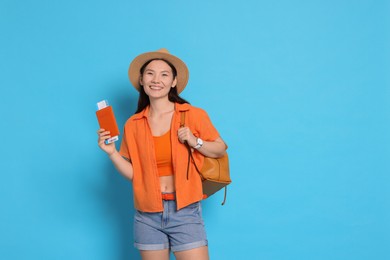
column 140, row 60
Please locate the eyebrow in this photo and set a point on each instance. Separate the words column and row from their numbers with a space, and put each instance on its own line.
column 155, row 71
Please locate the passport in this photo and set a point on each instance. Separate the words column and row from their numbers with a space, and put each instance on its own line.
column 106, row 118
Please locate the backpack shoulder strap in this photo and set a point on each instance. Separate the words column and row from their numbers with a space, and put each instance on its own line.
column 182, row 118
column 182, row 124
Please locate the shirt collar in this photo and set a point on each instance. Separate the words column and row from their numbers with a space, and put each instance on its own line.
column 182, row 107
column 178, row 108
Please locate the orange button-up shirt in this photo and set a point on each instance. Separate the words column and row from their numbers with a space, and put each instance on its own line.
column 138, row 146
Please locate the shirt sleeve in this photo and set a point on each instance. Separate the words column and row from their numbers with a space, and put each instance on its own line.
column 207, row 131
column 124, row 148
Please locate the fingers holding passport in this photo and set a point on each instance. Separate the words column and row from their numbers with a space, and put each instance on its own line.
column 103, row 135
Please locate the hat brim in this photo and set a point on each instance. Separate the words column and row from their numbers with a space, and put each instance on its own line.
column 140, row 60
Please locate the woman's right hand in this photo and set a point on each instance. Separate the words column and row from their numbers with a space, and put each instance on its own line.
column 102, row 136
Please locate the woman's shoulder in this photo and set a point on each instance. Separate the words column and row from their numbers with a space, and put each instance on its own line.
column 191, row 109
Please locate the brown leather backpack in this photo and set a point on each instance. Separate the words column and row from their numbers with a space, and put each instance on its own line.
column 215, row 173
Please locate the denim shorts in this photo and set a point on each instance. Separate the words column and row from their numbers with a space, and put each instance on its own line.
column 170, row 229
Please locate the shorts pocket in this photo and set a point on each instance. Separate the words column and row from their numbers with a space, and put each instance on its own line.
column 191, row 213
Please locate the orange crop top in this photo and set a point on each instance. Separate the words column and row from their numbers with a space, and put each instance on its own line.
column 163, row 151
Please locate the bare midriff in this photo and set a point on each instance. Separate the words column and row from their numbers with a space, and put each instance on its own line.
column 167, row 183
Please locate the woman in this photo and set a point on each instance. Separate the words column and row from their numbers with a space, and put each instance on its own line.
column 167, row 189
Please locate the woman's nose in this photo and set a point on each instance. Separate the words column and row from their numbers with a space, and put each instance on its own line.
column 156, row 79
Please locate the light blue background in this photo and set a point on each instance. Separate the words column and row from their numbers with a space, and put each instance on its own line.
column 298, row 89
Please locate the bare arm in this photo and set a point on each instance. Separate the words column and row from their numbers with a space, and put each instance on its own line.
column 123, row 166
column 214, row 149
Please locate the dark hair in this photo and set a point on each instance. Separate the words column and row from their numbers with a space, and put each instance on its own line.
column 173, row 96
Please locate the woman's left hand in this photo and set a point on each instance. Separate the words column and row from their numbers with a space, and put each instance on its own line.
column 185, row 134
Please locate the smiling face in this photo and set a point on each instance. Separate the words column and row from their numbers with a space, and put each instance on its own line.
column 157, row 79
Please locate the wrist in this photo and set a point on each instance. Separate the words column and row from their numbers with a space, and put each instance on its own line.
column 112, row 154
column 199, row 143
